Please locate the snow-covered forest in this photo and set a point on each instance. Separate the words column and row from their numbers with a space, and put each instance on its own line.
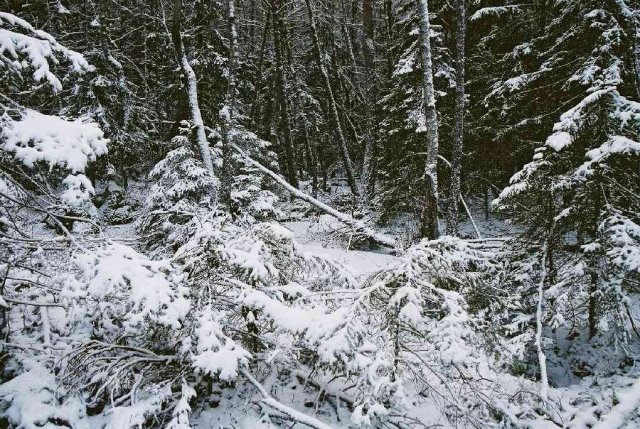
column 319, row 213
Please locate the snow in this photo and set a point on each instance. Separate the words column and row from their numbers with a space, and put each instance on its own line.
column 78, row 193
column 29, row 400
column 356, row 225
column 38, row 48
column 119, row 271
column 628, row 405
column 59, row 142
column 135, row 415
column 309, row 235
column 182, row 409
column 572, row 119
column 314, row 322
column 616, row 145
column 494, row 11
column 404, row 66
column 218, row 354
column 559, row 140
column 335, row 336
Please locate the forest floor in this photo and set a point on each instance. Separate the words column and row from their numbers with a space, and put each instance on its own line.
column 324, row 236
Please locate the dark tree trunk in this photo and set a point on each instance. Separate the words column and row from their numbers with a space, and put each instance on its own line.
column 281, row 88
column 333, row 108
column 458, row 134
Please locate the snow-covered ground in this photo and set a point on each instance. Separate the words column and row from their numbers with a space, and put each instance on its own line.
column 315, row 238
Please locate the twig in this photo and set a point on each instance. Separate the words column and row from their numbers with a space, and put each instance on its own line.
column 284, row 409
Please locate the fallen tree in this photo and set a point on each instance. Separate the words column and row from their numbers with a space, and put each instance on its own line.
column 357, row 226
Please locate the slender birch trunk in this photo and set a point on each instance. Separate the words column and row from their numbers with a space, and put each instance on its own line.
column 192, row 91
column 458, row 138
column 333, row 107
column 429, row 218
column 228, row 111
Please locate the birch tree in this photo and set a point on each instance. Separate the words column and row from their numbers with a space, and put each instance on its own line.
column 429, row 218
column 228, row 111
column 192, row 89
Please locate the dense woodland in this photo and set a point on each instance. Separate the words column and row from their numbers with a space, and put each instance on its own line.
column 320, row 213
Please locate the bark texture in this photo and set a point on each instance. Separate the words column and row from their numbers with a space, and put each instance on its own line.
column 333, row 107
column 192, row 90
column 228, row 111
column 429, row 227
column 458, row 133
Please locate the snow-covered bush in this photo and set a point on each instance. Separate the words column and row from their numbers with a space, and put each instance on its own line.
column 408, row 338
column 228, row 296
column 42, row 158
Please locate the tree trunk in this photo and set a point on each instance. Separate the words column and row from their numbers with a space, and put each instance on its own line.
column 357, row 226
column 192, row 91
column 594, row 268
column 344, row 150
column 542, row 359
column 228, row 111
column 307, row 155
column 281, row 88
column 429, row 218
column 458, row 134
column 369, row 162
column 258, row 83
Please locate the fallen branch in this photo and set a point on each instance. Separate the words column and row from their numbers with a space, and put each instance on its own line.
column 473, row 222
column 284, row 409
column 32, row 303
column 356, row 225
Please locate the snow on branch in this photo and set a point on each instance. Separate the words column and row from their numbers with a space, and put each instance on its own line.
column 59, row 142
column 38, row 48
column 284, row 409
column 218, row 355
column 616, row 145
column 571, row 120
column 119, row 273
column 495, row 11
column 356, row 225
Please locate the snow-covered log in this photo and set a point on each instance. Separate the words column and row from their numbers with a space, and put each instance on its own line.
column 358, row 226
